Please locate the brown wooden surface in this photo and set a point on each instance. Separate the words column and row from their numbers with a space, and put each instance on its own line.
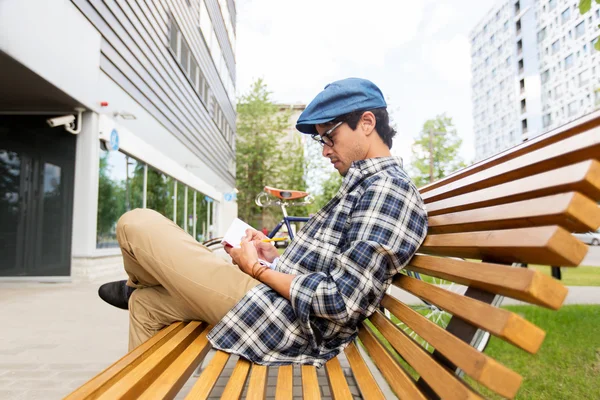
column 139, row 378
column 337, row 381
column 518, row 283
column 548, row 245
column 168, row 384
column 105, row 379
column 572, row 211
column 499, row 322
column 580, row 125
column 583, row 177
column 208, row 379
column 257, row 386
column 310, row 383
column 285, row 383
column 237, row 380
column 584, row 146
column 442, row 381
column 364, row 379
column 403, row 385
column 478, row 366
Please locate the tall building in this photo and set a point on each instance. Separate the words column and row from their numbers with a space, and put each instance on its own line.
column 105, row 107
column 534, row 67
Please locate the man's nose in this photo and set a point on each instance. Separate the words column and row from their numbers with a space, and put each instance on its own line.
column 326, row 150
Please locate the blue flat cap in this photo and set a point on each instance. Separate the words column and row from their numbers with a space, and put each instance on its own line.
column 339, row 98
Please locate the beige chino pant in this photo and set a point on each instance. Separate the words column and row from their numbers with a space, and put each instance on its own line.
column 177, row 278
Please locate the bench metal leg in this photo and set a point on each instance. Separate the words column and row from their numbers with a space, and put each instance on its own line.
column 556, row 273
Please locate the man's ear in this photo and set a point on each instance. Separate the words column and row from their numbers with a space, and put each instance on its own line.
column 367, row 122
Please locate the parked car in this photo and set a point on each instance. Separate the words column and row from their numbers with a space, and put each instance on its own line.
column 592, row 238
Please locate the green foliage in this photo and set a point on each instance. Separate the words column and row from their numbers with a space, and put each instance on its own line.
column 445, row 151
column 110, row 200
column 584, row 7
column 329, row 186
column 265, row 154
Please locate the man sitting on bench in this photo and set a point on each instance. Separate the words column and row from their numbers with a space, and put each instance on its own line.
column 307, row 305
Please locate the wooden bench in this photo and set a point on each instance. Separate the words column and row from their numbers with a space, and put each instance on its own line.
column 517, row 207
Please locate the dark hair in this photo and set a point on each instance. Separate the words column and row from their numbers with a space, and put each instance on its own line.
column 382, row 123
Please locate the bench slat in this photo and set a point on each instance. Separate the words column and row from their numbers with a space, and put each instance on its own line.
column 572, row 211
column 257, row 387
column 547, row 245
column 583, row 177
column 518, row 283
column 444, row 383
column 208, row 379
column 337, row 380
column 105, row 379
column 172, row 380
column 478, row 366
column 310, row 383
column 139, row 378
column 285, row 383
column 396, row 377
column 237, row 380
column 565, row 152
column 570, row 129
column 499, row 322
column 369, row 389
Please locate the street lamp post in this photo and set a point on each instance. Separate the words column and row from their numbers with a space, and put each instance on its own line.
column 431, row 134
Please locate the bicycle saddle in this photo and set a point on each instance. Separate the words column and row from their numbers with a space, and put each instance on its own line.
column 286, row 194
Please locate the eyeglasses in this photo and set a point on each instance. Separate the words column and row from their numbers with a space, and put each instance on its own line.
column 326, row 139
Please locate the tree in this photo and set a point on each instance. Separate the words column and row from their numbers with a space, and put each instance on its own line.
column 265, row 154
column 445, row 143
column 329, row 188
column 584, row 7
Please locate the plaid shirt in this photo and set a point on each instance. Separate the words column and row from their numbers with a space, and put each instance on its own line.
column 344, row 260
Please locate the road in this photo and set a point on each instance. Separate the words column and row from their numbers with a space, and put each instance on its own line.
column 593, row 257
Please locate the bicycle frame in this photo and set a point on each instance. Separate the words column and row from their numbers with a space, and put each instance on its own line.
column 286, row 220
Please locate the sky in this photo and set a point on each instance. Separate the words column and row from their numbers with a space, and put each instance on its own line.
column 417, row 52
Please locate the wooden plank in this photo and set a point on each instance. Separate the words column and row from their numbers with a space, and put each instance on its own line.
column 583, row 177
column 547, row 245
column 570, row 129
column 285, row 383
column 478, row 366
column 519, row 283
column 257, row 387
column 497, row 321
column 396, row 377
column 584, row 146
column 369, row 389
column 442, row 381
column 337, row 381
column 572, row 211
column 105, row 379
column 310, row 383
column 235, row 384
column 207, row 380
column 142, row 376
column 172, row 380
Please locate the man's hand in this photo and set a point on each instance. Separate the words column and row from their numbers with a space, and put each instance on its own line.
column 246, row 256
column 265, row 251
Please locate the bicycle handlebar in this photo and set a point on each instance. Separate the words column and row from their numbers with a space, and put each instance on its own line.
column 263, row 199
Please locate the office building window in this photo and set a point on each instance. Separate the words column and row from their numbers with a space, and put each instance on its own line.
column 506, row 25
column 545, row 76
column 584, row 77
column 552, row 5
column 569, row 61
column 566, row 15
column 572, row 108
column 541, row 35
column 524, row 125
column 555, row 46
column 547, row 120
column 580, row 29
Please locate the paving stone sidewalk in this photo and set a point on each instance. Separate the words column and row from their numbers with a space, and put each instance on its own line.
column 55, row 337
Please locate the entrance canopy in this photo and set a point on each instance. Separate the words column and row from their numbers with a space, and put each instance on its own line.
column 25, row 91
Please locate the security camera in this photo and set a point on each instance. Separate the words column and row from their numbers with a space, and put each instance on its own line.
column 59, row 121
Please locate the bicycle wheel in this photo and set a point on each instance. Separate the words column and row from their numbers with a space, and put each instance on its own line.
column 217, row 248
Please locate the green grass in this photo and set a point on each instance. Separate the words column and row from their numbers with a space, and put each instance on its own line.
column 575, row 276
column 568, row 364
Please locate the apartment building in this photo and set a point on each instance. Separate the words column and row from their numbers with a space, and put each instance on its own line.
column 534, row 67
column 108, row 106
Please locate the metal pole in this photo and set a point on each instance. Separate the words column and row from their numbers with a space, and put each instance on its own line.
column 430, row 156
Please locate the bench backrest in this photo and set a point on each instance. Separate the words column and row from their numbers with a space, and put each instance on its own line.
column 518, row 207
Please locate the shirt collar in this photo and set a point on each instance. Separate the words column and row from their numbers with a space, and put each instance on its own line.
column 370, row 166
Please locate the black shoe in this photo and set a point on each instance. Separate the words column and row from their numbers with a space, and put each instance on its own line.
column 116, row 294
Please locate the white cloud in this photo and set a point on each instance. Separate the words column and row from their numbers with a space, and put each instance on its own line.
column 298, row 47
column 451, row 59
column 441, row 15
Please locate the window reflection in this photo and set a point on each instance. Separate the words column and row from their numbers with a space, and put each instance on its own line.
column 160, row 192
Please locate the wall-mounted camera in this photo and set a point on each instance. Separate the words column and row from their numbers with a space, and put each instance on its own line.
column 68, row 121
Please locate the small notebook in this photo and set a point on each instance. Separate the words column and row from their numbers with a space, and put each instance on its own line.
column 235, row 233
